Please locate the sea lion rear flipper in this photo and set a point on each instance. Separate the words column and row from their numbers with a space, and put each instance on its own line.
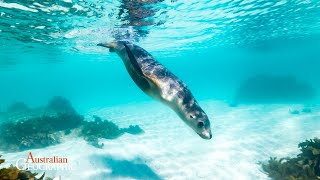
column 110, row 46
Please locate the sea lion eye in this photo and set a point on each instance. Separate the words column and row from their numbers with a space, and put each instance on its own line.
column 200, row 124
column 191, row 117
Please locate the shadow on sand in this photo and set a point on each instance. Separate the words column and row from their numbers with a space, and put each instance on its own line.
column 120, row 168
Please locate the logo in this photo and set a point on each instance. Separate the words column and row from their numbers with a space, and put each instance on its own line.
column 44, row 163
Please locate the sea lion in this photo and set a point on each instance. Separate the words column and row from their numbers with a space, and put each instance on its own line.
column 159, row 83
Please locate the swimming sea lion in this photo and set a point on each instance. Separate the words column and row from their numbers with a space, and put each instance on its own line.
column 159, row 83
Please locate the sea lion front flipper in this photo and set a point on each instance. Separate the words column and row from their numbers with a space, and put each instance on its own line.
column 133, row 60
column 141, row 81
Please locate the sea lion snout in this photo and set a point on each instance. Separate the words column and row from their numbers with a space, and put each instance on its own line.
column 206, row 134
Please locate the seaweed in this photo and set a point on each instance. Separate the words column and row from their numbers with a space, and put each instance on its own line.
column 13, row 173
column 24, row 135
column 63, row 122
column 306, row 166
column 94, row 141
column 91, row 131
column 135, row 130
column 1, row 160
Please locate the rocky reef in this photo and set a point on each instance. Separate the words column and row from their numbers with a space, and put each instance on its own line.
column 13, row 173
column 266, row 88
column 306, row 166
column 17, row 107
column 304, row 110
column 60, row 104
column 46, row 126
column 36, row 132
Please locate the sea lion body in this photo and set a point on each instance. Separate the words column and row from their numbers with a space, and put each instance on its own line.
column 159, row 83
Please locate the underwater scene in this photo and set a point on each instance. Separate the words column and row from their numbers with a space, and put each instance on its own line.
column 159, row 89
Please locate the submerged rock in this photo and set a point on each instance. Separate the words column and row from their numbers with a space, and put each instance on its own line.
column 297, row 112
column 60, row 104
column 273, row 89
column 294, row 112
column 306, row 166
column 233, row 104
column 306, row 110
column 17, row 107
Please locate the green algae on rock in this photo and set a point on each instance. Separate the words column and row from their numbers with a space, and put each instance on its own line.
column 306, row 166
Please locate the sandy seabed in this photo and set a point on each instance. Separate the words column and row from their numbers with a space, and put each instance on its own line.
column 242, row 137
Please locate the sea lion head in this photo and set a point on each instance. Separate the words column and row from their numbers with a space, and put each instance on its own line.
column 197, row 119
column 191, row 113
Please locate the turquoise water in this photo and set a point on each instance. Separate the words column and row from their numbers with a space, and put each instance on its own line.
column 250, row 64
